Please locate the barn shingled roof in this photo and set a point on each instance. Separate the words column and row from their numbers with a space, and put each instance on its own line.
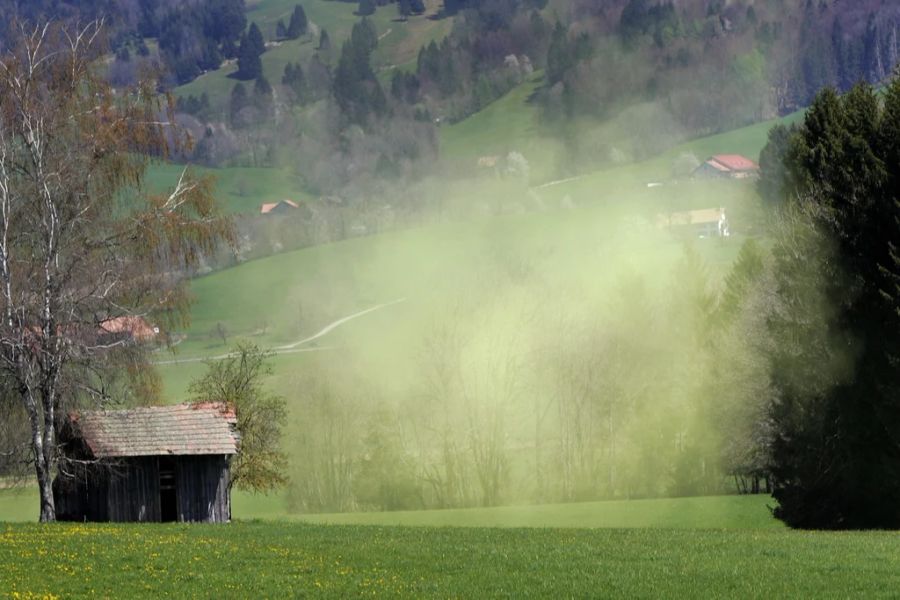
column 180, row 429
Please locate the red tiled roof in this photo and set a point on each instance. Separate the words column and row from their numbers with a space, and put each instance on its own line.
column 733, row 162
column 181, row 429
column 138, row 327
column 270, row 206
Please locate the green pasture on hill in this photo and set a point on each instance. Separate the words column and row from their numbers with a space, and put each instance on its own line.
column 285, row 298
column 266, row 559
column 512, row 124
column 399, row 44
column 238, row 189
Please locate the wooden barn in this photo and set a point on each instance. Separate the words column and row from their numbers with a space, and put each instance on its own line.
column 164, row 463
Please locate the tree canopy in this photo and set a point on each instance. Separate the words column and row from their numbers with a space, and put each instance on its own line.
column 836, row 457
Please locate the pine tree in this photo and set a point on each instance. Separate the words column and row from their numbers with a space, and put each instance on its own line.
column 299, row 24
column 255, row 40
column 559, row 54
column 366, row 8
column 249, row 62
column 280, row 30
column 404, row 9
column 773, row 184
column 324, row 40
column 836, row 462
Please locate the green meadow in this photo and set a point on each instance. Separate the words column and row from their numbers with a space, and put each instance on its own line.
column 273, row 559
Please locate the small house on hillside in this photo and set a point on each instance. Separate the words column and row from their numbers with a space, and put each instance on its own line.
column 727, row 166
column 128, row 328
column 707, row 222
column 153, row 464
column 278, row 208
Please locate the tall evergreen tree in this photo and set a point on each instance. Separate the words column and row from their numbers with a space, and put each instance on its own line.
column 366, row 8
column 324, row 40
column 299, row 24
column 255, row 39
column 836, row 457
column 404, row 9
column 248, row 60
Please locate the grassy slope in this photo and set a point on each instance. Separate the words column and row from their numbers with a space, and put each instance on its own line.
column 307, row 289
column 278, row 560
column 511, row 124
column 239, row 189
column 399, row 46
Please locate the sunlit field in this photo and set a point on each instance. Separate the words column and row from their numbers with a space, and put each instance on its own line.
column 263, row 559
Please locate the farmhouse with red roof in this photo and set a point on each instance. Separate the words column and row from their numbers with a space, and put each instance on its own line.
column 727, row 166
column 278, row 208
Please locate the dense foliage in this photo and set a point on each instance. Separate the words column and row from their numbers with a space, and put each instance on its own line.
column 836, row 459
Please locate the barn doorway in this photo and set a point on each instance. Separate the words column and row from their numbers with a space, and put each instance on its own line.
column 168, row 497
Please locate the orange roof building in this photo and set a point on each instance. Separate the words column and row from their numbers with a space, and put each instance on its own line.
column 275, row 208
column 727, row 166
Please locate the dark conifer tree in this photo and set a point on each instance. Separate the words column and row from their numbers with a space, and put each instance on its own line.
column 249, row 62
column 299, row 24
column 366, row 8
column 324, row 40
column 835, row 455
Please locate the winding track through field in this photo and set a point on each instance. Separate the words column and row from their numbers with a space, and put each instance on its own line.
column 293, row 347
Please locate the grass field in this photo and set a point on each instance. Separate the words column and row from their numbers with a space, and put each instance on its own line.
column 238, row 189
column 277, row 559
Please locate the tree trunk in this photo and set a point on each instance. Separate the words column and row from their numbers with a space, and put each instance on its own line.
column 43, row 473
column 45, row 485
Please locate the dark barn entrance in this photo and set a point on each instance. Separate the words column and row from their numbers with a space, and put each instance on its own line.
column 168, row 493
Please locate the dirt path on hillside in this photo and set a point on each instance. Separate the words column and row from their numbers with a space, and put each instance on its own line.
column 293, row 347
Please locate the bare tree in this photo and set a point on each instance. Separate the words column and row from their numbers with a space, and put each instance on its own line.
column 80, row 243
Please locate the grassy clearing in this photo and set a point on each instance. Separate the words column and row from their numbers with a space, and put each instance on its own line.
column 715, row 512
column 277, row 559
column 238, row 189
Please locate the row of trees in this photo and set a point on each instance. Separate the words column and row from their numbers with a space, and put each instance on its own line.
column 620, row 396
